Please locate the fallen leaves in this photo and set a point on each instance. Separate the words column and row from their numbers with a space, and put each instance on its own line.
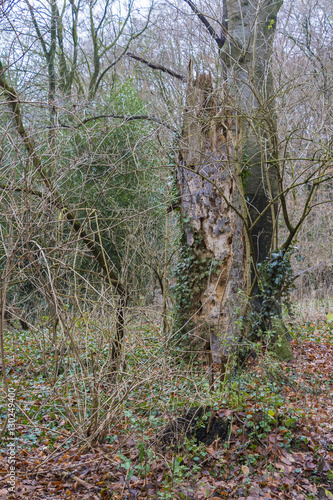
column 280, row 445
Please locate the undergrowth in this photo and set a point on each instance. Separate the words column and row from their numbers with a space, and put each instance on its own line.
column 267, row 405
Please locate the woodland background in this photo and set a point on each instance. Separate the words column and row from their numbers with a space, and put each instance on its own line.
column 92, row 100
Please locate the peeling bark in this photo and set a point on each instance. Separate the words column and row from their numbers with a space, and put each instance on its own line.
column 208, row 180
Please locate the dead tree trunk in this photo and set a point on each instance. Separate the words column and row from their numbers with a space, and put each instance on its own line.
column 212, row 268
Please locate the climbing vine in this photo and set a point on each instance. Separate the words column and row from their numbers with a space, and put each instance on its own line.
column 195, row 265
column 275, row 283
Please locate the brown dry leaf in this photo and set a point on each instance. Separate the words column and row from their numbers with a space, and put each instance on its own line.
column 224, row 412
column 220, row 484
column 213, row 447
column 245, row 470
column 289, row 456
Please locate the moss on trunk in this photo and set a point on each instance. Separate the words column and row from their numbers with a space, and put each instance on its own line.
column 280, row 344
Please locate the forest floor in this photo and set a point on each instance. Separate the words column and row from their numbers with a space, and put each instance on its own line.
column 279, row 443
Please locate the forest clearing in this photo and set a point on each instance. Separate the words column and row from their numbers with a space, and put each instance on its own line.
column 166, row 249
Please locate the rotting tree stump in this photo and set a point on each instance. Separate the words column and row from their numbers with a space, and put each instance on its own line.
column 200, row 423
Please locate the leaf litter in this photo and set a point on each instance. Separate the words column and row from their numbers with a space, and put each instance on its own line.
column 279, row 444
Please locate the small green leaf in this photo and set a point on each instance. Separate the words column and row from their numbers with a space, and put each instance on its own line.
column 328, row 494
column 290, row 422
column 330, row 318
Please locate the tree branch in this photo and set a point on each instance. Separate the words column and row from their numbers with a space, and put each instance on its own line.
column 126, row 119
column 38, row 32
column 9, row 187
column 220, row 40
column 158, row 66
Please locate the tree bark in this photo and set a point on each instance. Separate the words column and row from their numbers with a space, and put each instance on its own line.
column 208, row 180
column 247, row 58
